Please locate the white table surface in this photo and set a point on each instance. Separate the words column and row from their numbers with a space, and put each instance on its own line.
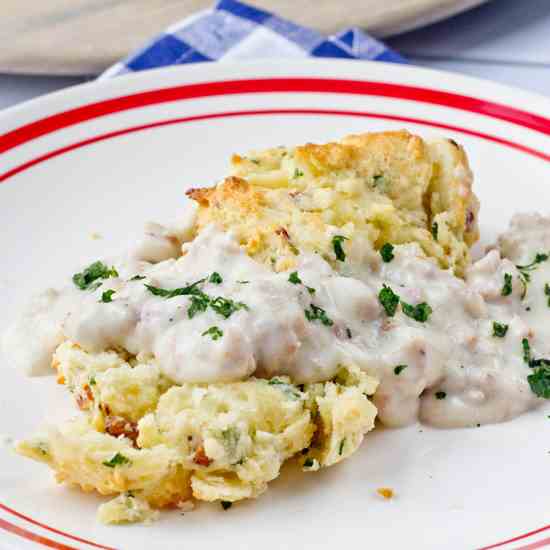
column 505, row 40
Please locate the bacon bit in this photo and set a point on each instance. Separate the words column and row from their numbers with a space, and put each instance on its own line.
column 200, row 457
column 294, row 194
column 84, row 401
column 117, row 426
column 105, row 409
column 469, row 219
column 385, row 492
column 283, row 233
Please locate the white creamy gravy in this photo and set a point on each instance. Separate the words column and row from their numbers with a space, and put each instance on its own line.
column 454, row 354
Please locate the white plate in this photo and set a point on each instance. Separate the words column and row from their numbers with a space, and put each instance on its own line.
column 104, row 157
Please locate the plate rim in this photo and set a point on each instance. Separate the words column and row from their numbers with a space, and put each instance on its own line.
column 16, row 529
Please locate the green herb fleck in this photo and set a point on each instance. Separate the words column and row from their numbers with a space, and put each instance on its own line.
column 378, row 179
column 117, row 460
column 524, row 270
column 399, row 369
column 539, row 381
column 298, row 173
column 440, row 395
column 294, row 278
column 214, row 332
column 507, row 286
column 107, row 296
column 389, row 300
column 226, row 504
column 435, row 230
column 88, row 279
column 308, row 463
column 420, row 312
column 526, row 350
column 547, row 293
column 215, row 278
column 316, row 313
column 226, row 307
column 387, row 252
column 337, row 241
column 499, row 330
column 341, row 447
column 243, row 282
column 199, row 304
column 92, row 381
column 183, row 291
column 137, row 278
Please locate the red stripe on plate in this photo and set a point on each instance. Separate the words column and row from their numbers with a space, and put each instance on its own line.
column 71, row 117
column 7, row 526
column 539, row 544
column 117, row 133
column 52, row 529
column 515, row 539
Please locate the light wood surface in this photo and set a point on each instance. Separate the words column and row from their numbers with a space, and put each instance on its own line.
column 86, row 36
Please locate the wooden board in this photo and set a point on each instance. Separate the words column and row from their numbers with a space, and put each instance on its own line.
column 86, row 36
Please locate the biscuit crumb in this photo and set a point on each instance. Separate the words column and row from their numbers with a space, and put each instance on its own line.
column 385, row 492
column 96, row 236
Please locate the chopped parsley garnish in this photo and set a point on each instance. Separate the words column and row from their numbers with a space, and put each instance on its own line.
column 215, row 278
column 88, row 279
column 526, row 350
column 225, row 306
column 183, row 291
column 389, row 300
column 200, row 301
column 440, row 395
column 524, row 270
column 295, row 280
column 92, row 381
column 243, row 282
column 226, row 504
column 107, row 296
column 499, row 330
column 337, row 241
column 199, row 304
column 308, row 463
column 539, row 381
column 435, row 230
column 117, row 460
column 420, row 312
column 298, row 173
column 214, row 332
column 547, row 292
column 137, row 278
column 341, row 447
column 399, row 369
column 527, row 357
column 316, row 313
column 387, row 252
column 507, row 286
column 378, row 179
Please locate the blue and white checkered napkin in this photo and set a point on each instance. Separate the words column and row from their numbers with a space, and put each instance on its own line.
column 234, row 30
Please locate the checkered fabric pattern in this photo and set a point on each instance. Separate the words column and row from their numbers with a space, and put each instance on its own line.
column 234, row 30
